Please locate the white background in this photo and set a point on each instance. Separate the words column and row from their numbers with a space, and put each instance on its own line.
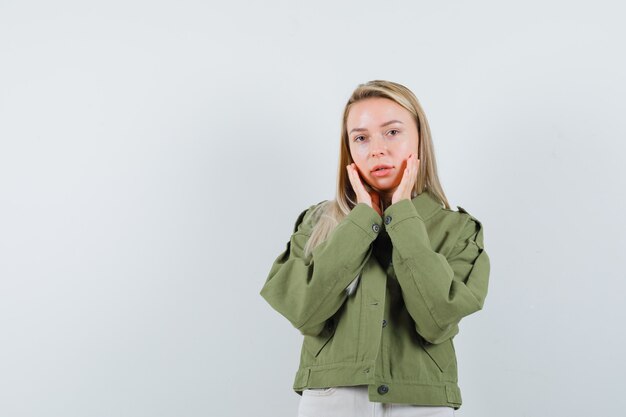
column 154, row 156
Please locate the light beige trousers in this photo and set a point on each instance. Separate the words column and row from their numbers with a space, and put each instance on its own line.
column 354, row 402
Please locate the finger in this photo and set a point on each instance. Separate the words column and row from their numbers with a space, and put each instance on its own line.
column 352, row 173
column 355, row 178
column 414, row 162
column 351, row 178
column 417, row 167
column 357, row 186
column 349, row 175
column 406, row 175
column 416, row 172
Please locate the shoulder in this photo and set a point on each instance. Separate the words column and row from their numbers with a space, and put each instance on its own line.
column 464, row 225
column 309, row 216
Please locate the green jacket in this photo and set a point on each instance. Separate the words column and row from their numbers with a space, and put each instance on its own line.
column 420, row 271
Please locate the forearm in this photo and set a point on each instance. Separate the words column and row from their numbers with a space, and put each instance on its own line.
column 308, row 290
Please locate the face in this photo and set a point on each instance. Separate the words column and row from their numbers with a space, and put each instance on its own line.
column 381, row 132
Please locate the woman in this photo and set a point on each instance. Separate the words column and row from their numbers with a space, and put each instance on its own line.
column 378, row 279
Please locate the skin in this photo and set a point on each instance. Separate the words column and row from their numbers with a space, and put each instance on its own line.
column 376, row 142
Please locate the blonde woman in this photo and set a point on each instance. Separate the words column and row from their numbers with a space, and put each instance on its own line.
column 378, row 279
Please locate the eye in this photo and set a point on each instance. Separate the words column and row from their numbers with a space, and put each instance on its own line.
column 394, row 130
column 356, row 139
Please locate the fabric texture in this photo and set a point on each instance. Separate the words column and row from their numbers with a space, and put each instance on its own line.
column 421, row 269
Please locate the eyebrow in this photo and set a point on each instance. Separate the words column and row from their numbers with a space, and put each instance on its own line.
column 362, row 129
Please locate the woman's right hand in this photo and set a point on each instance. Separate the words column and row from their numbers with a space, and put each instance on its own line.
column 371, row 198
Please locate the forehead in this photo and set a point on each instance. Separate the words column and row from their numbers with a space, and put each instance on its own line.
column 374, row 111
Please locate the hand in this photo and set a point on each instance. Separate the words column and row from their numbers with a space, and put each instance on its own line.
column 371, row 198
column 409, row 176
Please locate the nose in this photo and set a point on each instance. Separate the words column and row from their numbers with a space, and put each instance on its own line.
column 378, row 145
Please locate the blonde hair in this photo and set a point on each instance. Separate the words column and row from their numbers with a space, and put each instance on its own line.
column 329, row 214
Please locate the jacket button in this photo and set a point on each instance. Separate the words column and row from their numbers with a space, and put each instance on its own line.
column 383, row 389
column 387, row 219
column 375, row 227
column 384, row 323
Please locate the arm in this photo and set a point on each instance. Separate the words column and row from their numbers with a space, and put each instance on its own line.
column 437, row 292
column 308, row 291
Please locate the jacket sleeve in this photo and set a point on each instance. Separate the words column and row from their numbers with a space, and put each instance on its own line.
column 437, row 291
column 309, row 290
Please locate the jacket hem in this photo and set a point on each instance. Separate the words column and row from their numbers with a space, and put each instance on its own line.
column 401, row 392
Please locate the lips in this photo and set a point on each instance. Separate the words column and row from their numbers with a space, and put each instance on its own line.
column 382, row 170
column 381, row 166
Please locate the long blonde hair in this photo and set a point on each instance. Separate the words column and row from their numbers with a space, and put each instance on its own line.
column 330, row 213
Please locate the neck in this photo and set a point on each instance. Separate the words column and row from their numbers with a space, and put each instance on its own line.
column 385, row 200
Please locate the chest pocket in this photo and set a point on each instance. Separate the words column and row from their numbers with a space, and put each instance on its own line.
column 442, row 353
column 315, row 344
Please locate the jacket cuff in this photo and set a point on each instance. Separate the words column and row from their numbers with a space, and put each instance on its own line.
column 401, row 211
column 367, row 219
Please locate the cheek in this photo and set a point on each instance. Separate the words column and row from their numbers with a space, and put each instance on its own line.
column 359, row 155
column 360, row 152
column 405, row 150
column 403, row 154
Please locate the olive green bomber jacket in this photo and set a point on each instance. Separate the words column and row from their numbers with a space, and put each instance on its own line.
column 420, row 271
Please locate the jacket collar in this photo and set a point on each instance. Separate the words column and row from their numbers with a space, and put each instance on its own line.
column 426, row 204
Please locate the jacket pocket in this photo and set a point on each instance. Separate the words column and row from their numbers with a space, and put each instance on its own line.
column 442, row 353
column 315, row 344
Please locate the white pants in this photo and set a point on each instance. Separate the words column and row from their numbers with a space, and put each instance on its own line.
column 354, row 402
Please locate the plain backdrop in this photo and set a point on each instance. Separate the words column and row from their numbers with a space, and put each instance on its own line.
column 154, row 156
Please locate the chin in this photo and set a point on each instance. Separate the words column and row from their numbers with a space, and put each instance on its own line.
column 385, row 185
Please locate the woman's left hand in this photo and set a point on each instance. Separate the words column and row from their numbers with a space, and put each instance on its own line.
column 408, row 179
